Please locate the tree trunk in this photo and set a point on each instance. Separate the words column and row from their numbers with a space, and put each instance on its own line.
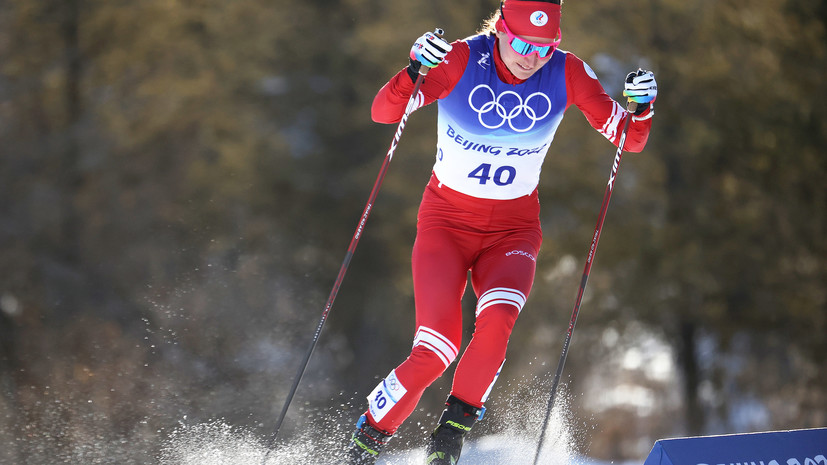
column 688, row 362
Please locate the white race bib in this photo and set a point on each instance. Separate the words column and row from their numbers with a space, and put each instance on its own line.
column 385, row 396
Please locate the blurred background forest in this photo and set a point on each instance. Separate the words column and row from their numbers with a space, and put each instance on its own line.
column 179, row 180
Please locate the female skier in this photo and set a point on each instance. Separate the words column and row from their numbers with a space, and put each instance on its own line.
column 501, row 95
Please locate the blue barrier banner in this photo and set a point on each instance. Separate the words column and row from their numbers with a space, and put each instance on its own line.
column 795, row 447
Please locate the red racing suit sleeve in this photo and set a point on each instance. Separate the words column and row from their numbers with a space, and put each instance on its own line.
column 389, row 104
column 603, row 113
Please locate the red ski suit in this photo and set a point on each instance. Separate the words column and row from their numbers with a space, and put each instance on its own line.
column 494, row 236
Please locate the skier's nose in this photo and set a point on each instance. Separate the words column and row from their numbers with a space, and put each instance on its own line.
column 531, row 61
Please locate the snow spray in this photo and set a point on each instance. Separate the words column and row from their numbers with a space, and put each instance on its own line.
column 507, row 435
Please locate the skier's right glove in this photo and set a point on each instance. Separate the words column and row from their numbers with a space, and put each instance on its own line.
column 429, row 51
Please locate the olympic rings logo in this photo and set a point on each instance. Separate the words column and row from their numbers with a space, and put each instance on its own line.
column 508, row 107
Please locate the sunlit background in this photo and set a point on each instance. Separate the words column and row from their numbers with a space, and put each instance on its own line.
column 180, row 179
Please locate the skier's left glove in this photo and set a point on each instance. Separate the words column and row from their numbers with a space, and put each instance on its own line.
column 641, row 88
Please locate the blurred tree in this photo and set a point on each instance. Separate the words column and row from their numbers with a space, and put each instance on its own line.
column 736, row 255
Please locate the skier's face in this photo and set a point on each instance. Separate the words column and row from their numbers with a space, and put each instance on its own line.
column 522, row 67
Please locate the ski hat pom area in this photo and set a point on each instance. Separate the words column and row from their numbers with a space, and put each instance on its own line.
column 532, row 18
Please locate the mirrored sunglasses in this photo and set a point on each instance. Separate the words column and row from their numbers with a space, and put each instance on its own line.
column 526, row 48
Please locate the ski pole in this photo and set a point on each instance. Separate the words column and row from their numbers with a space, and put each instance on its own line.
column 630, row 108
column 412, row 105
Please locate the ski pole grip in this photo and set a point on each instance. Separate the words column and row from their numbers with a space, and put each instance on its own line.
column 631, row 106
column 439, row 32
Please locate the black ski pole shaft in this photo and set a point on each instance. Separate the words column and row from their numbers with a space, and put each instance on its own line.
column 412, row 105
column 607, row 196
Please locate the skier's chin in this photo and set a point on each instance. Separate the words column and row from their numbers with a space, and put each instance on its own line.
column 521, row 71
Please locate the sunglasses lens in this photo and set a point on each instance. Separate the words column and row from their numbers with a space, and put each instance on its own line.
column 526, row 49
column 520, row 47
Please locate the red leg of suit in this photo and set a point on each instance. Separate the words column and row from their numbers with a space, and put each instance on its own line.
column 502, row 279
column 435, row 346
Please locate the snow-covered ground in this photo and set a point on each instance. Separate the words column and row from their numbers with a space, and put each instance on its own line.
column 509, row 438
column 498, row 449
column 219, row 444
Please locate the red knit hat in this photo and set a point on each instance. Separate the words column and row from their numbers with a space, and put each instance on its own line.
column 532, row 19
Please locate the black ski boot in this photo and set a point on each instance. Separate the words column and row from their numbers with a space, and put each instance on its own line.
column 365, row 444
column 445, row 444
